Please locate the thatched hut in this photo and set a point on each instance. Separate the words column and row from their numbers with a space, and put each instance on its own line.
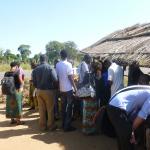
column 129, row 44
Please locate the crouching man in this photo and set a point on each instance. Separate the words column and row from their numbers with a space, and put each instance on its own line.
column 127, row 110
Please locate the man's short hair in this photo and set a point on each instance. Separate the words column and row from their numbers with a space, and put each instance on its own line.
column 18, row 63
column 43, row 58
column 86, row 57
column 13, row 64
column 63, row 54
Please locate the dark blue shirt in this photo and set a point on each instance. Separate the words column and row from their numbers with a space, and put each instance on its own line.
column 44, row 77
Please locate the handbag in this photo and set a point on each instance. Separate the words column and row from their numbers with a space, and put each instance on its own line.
column 85, row 89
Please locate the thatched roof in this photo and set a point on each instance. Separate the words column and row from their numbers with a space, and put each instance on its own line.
column 129, row 44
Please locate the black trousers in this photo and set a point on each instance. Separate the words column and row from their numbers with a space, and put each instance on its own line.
column 67, row 107
column 122, row 126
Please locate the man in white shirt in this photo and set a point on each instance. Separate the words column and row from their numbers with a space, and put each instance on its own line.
column 115, row 77
column 127, row 110
column 66, row 84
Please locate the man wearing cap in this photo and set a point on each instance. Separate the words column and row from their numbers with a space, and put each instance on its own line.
column 44, row 78
column 66, row 84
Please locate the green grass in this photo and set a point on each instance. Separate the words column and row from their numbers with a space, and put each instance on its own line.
column 26, row 66
column 6, row 67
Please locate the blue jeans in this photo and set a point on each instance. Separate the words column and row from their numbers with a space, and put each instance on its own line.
column 67, row 106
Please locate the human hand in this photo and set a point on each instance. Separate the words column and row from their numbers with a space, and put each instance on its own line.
column 132, row 139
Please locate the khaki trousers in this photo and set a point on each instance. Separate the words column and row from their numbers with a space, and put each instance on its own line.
column 46, row 108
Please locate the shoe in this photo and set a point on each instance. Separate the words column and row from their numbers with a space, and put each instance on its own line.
column 53, row 128
column 20, row 123
column 70, row 129
column 13, row 121
column 31, row 108
column 91, row 134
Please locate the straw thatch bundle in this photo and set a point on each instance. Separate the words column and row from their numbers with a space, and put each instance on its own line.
column 130, row 44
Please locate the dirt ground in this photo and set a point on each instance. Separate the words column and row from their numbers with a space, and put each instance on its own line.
column 28, row 136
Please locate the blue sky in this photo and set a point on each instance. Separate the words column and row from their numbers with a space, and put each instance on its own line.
column 37, row 22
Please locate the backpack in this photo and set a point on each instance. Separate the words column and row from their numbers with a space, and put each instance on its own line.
column 8, row 84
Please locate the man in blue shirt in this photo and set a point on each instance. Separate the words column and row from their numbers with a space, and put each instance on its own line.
column 127, row 110
column 44, row 79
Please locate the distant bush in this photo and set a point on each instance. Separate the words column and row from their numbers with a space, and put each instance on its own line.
column 26, row 66
column 6, row 67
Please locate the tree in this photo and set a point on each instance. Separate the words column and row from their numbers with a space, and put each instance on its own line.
column 8, row 56
column 53, row 49
column 71, row 49
column 18, row 57
column 24, row 51
column 1, row 55
column 36, row 58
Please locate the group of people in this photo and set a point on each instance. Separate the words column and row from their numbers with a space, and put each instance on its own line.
column 126, row 108
column 105, row 77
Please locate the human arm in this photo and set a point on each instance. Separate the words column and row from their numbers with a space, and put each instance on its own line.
column 34, row 78
column 55, row 78
column 21, row 75
column 54, row 75
column 142, row 115
column 136, row 123
column 71, row 79
column 70, row 76
column 21, row 79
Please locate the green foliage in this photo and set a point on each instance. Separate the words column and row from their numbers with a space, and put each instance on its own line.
column 8, row 57
column 26, row 66
column 71, row 49
column 25, row 52
column 1, row 55
column 79, row 56
column 53, row 49
column 36, row 58
column 18, row 58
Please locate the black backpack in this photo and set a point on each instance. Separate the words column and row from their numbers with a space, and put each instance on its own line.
column 8, row 84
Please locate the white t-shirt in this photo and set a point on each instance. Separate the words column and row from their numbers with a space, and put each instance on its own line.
column 63, row 69
column 115, row 74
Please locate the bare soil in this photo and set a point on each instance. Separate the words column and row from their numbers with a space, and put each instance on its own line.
column 29, row 137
